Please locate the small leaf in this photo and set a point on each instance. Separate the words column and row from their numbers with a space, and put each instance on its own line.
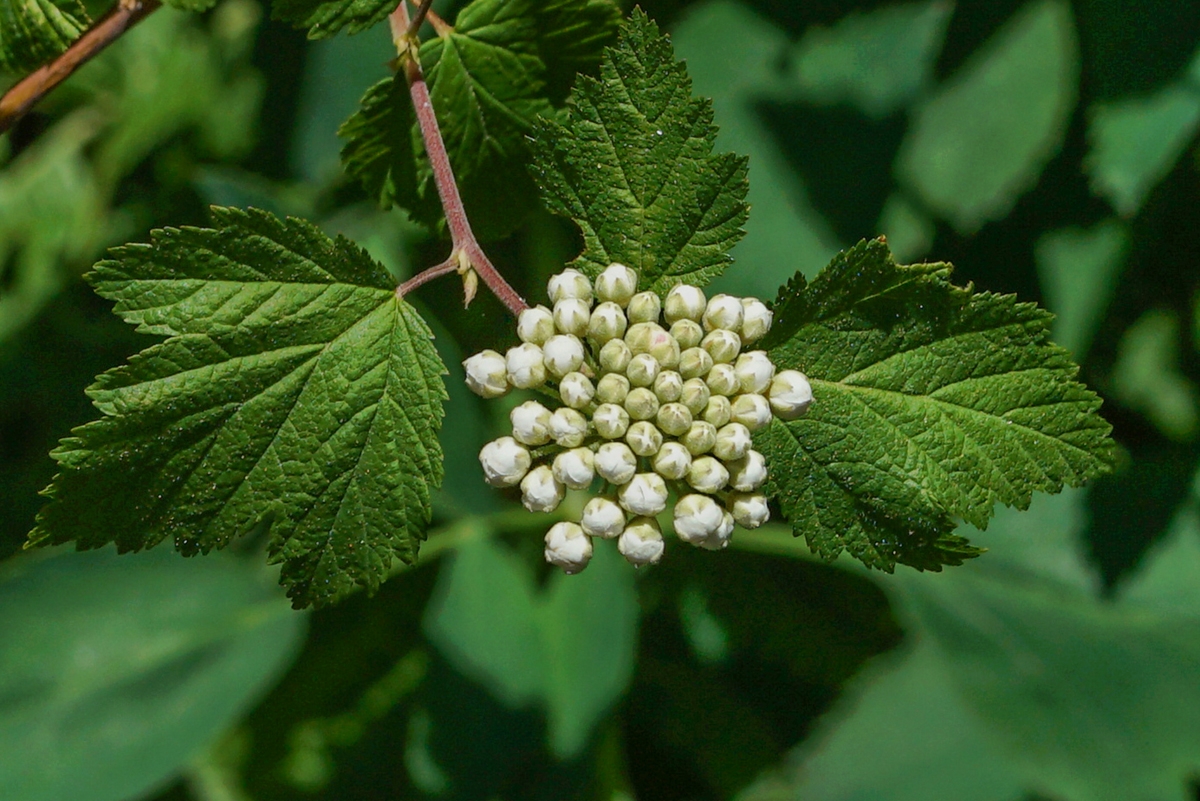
column 297, row 393
column 33, row 32
column 633, row 167
column 931, row 402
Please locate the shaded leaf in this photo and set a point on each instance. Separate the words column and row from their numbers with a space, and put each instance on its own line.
column 33, row 32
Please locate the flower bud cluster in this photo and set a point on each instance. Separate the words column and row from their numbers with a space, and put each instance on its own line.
column 657, row 394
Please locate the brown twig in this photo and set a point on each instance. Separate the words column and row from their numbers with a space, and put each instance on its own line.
column 18, row 100
column 415, row 24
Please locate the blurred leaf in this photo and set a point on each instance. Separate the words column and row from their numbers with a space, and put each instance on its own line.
column 733, row 56
column 878, row 61
column 982, row 138
column 33, row 32
column 324, row 18
column 1079, row 269
column 115, row 671
column 569, row 647
column 908, row 230
column 1146, row 375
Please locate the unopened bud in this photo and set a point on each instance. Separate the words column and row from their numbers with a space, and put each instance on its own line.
column 707, row 475
column 723, row 312
column 615, row 463
column 612, row 388
column 754, row 371
column 568, row 427
column 720, row 538
column 569, row 284
column 571, row 316
column 504, row 462
column 540, row 491
column 641, row 543
column 487, row 374
column 568, row 547
column 733, row 441
column 674, row 419
column 641, row 336
column 525, row 366
column 611, row 421
column 695, row 396
column 665, row 351
column 749, row 511
column 535, row 325
column 718, row 411
column 687, row 333
column 616, row 284
column 644, row 307
column 672, row 461
column 614, row 356
column 530, row 423
column 575, row 468
column 700, row 438
column 668, row 386
column 576, row 390
column 684, row 302
column 644, row 438
column 602, row 518
column 642, row 370
column 756, row 320
column 722, row 380
column 752, row 411
column 748, row 473
column 790, row 395
column 646, row 495
column 722, row 345
column 563, row 354
column 697, row 517
column 695, row 363
column 641, row 403
column 607, row 322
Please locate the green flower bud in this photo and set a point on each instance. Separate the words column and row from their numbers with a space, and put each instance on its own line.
column 700, row 438
column 723, row 312
column 615, row 356
column 672, row 461
column 695, row 363
column 568, row 427
column 615, row 463
column 756, row 320
column 642, row 370
column 684, row 302
column 612, row 388
column 674, row 419
column 666, row 351
column 535, row 325
column 569, row 284
column 644, row 307
column 641, row 403
column 571, row 316
column 640, row 335
column 643, row 438
column 616, row 284
column 576, row 390
column 695, row 396
column 752, row 411
column 611, row 421
column 722, row 380
column 687, row 333
column 722, row 345
column 707, row 475
column 733, row 442
column 668, row 386
column 718, row 411
column 607, row 322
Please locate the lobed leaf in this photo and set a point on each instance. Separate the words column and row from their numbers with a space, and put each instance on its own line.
column 324, row 18
column 633, row 166
column 296, row 394
column 33, row 32
column 931, row 403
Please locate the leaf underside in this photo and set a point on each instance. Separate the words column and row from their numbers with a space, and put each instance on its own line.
column 296, row 395
column 633, row 166
column 33, row 32
column 931, row 404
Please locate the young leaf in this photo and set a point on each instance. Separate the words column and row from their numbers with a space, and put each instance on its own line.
column 34, row 31
column 633, row 167
column 296, row 394
column 489, row 78
column 931, row 402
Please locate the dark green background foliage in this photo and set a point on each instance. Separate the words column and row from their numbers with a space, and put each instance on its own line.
column 1044, row 147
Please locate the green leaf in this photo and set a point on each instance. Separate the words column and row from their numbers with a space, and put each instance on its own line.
column 931, row 402
column 324, row 18
column 33, row 32
column 116, row 671
column 1078, row 270
column 633, row 167
column 1147, row 376
column 489, row 79
column 296, row 393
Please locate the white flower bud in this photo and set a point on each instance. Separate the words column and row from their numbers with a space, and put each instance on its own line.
column 576, row 390
column 722, row 345
column 642, row 370
column 569, row 284
column 612, row 388
column 645, row 495
column 752, row 411
column 684, row 302
column 748, row 473
column 756, row 320
column 700, row 438
column 535, row 325
column 602, row 518
column 615, row 463
column 568, row 547
column 790, row 395
column 525, row 366
column 487, row 375
column 611, row 421
column 571, row 316
column 674, row 419
column 723, row 312
column 504, row 462
column 643, row 438
column 607, row 322
column 668, row 386
column 722, row 380
column 707, row 475
column 687, row 333
column 563, row 354
column 575, row 468
column 695, row 363
column 720, row 538
column 754, row 371
column 641, row 543
column 749, row 511
column 641, row 403
column 530, row 423
column 718, row 411
column 695, row 396
column 672, row 461
column 697, row 517
column 616, row 284
column 614, row 356
column 568, row 427
column 666, row 351
column 733, row 442
column 540, row 491
column 644, row 307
